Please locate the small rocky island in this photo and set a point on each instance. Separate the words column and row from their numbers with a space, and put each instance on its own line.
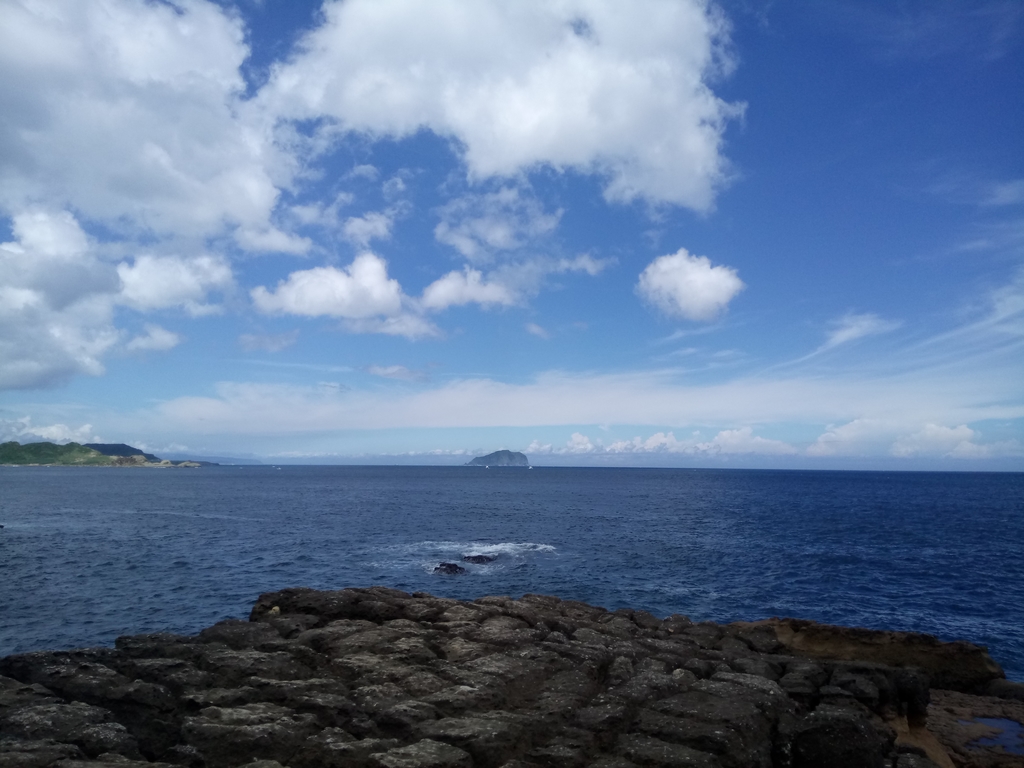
column 379, row 678
column 500, row 459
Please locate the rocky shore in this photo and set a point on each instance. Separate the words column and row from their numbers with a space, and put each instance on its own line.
column 384, row 679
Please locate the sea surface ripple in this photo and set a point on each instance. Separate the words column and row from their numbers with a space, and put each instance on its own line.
column 88, row 554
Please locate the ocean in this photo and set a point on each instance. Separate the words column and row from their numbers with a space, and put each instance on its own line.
column 88, row 554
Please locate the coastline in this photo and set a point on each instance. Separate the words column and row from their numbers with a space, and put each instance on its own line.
column 125, row 465
column 47, row 454
column 380, row 677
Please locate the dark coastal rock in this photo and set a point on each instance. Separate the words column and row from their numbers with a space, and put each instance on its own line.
column 230, row 736
column 379, row 678
column 1005, row 689
column 425, row 753
column 449, row 569
column 956, row 666
column 25, row 753
column 89, row 728
column 478, row 559
column 841, row 738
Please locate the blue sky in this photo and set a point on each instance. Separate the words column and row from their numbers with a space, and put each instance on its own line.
column 662, row 233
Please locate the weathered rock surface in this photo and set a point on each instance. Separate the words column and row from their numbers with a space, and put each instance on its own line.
column 958, row 666
column 378, row 678
column 960, row 720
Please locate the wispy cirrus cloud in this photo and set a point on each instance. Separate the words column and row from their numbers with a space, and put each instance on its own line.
column 657, row 397
column 537, row 330
column 399, row 372
column 267, row 342
column 1004, row 193
column 853, row 326
column 921, row 30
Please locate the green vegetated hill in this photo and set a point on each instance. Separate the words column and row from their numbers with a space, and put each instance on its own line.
column 90, row 455
column 50, row 453
column 120, row 449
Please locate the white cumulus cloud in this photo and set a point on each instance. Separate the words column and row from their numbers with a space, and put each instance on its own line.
column 613, row 89
column 904, row 438
column 361, row 294
column 466, row 287
column 683, row 285
column 361, row 290
column 506, row 285
column 56, row 302
column 743, row 440
column 478, row 225
column 155, row 339
column 55, row 235
column 159, row 282
column 856, row 437
column 727, row 442
column 130, row 113
column 371, row 226
column 582, row 263
column 23, row 431
column 935, row 439
column 579, row 443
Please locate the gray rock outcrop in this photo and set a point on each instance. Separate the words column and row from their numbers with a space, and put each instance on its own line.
column 378, row 678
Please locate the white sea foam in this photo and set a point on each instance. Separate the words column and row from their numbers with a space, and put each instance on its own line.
column 426, row 555
column 510, row 548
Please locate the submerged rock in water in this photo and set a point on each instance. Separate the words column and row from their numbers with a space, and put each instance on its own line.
column 449, row 569
column 478, row 559
column 379, row 678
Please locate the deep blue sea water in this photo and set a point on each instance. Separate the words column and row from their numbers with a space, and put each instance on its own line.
column 88, row 554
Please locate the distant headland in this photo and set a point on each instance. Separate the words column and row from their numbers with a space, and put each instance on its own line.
column 88, row 455
column 500, row 459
